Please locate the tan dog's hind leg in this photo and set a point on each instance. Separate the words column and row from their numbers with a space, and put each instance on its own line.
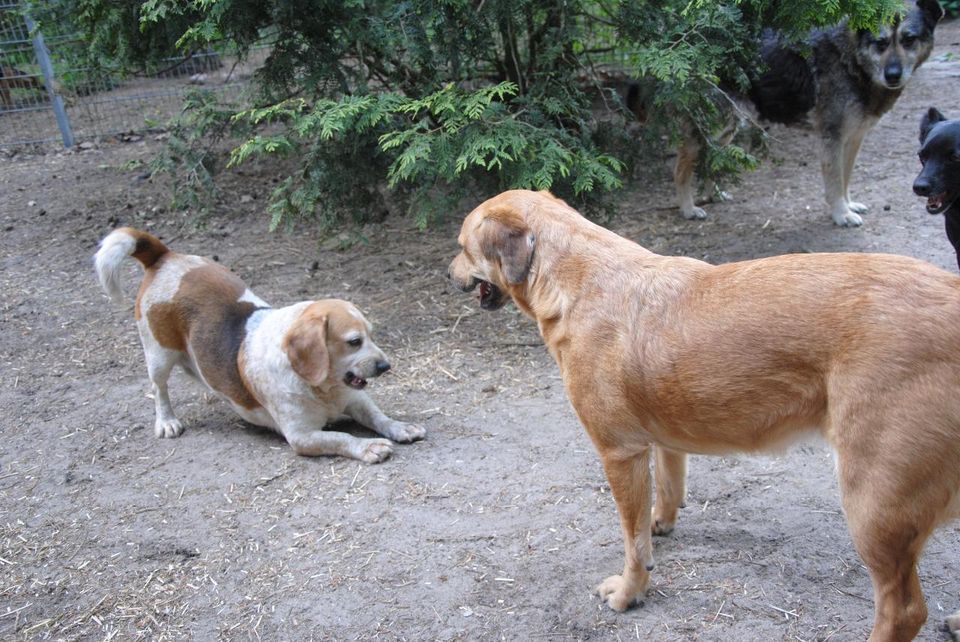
column 629, row 478
column 889, row 534
column 671, row 477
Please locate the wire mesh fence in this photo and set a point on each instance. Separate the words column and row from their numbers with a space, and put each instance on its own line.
column 49, row 97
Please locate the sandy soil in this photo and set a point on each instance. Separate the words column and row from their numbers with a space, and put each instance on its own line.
column 495, row 527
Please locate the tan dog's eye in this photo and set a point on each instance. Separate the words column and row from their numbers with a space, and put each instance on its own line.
column 356, row 342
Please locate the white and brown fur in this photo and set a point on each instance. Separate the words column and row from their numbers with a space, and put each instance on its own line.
column 663, row 356
column 293, row 369
column 849, row 80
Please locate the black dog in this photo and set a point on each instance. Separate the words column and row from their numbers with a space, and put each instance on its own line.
column 939, row 180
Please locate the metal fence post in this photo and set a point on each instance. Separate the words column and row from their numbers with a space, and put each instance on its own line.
column 43, row 58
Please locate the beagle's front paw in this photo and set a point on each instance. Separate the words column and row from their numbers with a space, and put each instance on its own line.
column 374, row 451
column 404, row 433
column 167, row 428
column 953, row 626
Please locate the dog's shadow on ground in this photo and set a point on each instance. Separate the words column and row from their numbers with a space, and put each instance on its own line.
column 272, row 438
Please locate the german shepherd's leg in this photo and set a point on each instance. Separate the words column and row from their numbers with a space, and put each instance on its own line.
column 851, row 149
column 5, row 96
column 832, row 164
column 670, row 473
column 683, row 177
column 889, row 530
column 629, row 477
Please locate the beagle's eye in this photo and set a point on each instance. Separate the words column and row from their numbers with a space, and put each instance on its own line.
column 356, row 342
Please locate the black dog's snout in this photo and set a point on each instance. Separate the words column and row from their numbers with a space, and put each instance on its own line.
column 382, row 366
column 922, row 186
column 892, row 73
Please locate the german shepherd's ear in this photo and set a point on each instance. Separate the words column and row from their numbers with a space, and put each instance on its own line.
column 931, row 118
column 932, row 12
column 305, row 345
column 508, row 240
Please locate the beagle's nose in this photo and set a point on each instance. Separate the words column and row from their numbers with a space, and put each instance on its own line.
column 382, row 366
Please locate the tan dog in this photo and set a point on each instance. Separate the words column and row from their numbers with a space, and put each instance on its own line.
column 663, row 356
column 292, row 369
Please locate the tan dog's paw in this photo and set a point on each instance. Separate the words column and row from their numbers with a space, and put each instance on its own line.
column 953, row 626
column 374, row 451
column 662, row 525
column 168, row 428
column 618, row 593
column 405, row 433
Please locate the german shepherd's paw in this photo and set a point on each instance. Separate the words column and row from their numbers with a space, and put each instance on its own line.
column 695, row 214
column 847, row 218
column 859, row 208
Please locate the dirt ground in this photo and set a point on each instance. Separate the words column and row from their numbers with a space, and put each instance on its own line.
column 497, row 526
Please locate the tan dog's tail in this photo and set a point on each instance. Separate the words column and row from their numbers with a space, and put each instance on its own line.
column 116, row 247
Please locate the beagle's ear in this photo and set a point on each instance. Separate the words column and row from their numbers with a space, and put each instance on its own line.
column 508, row 240
column 931, row 118
column 305, row 345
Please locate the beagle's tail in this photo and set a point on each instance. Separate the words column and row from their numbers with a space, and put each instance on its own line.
column 116, row 247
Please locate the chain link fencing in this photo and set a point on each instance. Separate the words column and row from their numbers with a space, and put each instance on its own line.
column 49, row 98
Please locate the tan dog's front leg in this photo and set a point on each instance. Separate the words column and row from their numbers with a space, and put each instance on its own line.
column 670, row 472
column 362, row 410
column 629, row 478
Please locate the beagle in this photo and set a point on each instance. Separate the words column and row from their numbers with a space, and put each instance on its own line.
column 291, row 369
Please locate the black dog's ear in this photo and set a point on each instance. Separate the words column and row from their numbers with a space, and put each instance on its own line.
column 932, row 11
column 931, row 118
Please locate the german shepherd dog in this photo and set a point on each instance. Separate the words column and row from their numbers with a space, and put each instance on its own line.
column 939, row 180
column 13, row 78
column 848, row 79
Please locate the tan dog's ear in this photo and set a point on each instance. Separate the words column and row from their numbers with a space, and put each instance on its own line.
column 509, row 240
column 305, row 345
